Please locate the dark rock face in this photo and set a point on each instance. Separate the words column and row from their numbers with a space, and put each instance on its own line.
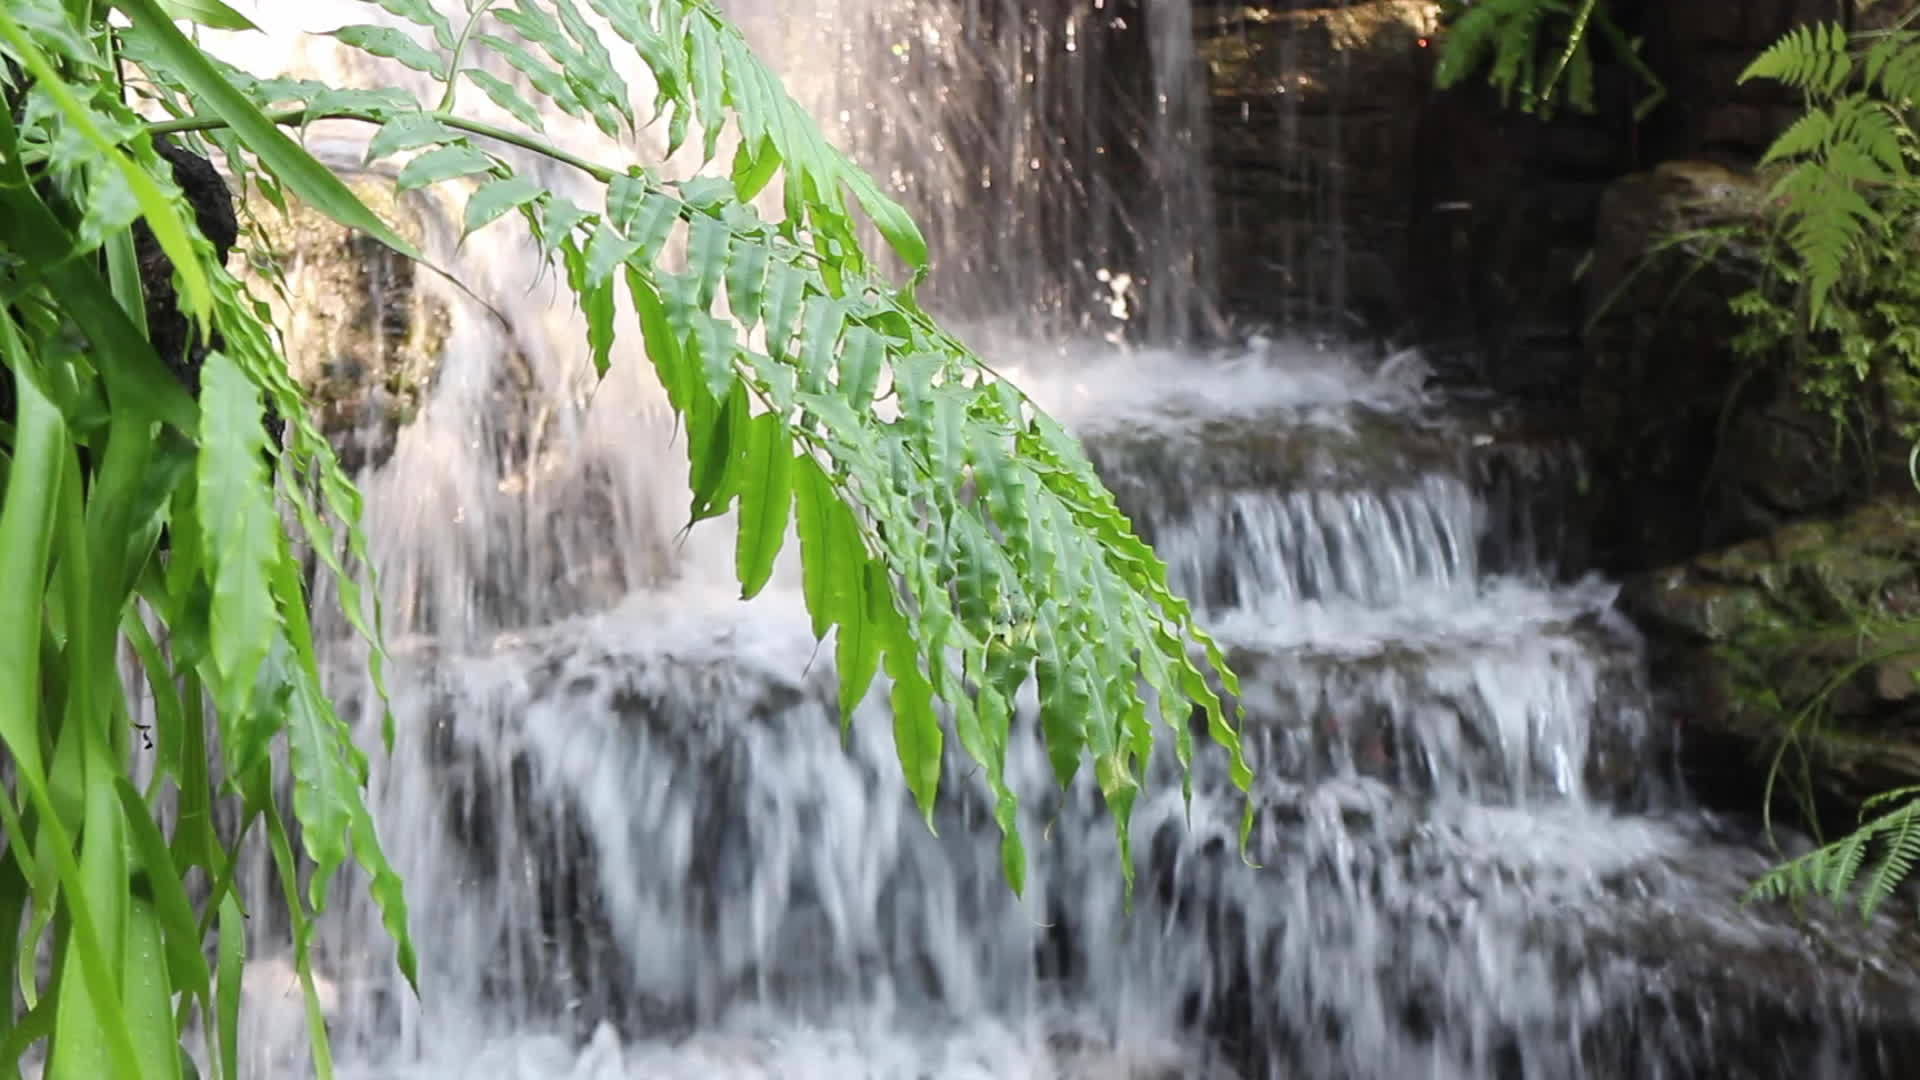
column 1312, row 104
column 212, row 203
column 1701, row 447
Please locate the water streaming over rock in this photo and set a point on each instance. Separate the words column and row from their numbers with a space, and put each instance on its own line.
column 637, row 846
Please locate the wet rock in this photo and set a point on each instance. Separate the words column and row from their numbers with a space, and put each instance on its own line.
column 1698, row 447
column 1639, row 211
column 1533, row 944
column 1528, row 712
column 1802, row 640
column 363, row 337
column 1451, row 489
column 169, row 331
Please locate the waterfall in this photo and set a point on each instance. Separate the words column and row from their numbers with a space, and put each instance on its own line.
column 637, row 846
column 1054, row 151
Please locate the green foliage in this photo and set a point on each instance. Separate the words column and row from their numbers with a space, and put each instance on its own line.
column 1847, row 184
column 1538, row 53
column 1893, row 839
column 1841, row 286
column 1841, row 299
column 951, row 534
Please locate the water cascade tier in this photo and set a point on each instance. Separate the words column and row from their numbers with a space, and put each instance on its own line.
column 640, row 848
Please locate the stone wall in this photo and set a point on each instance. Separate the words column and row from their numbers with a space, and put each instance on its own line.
column 1313, row 131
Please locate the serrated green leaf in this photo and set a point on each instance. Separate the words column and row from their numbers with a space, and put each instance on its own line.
column 995, row 720
column 663, row 345
column 717, row 432
column 325, row 784
column 410, row 131
column 590, row 276
column 709, row 84
column 714, row 340
column 708, row 193
column 653, row 223
column 747, row 279
column 766, row 499
column 651, row 46
column 390, row 44
column 707, row 247
column 498, row 197
column 858, row 640
column 917, row 735
column 506, row 97
column 819, row 340
column 606, row 251
column 829, row 546
column 544, row 78
column 540, row 27
column 380, row 105
column 599, row 69
column 861, row 360
column 558, row 220
column 441, row 164
column 211, row 14
column 625, row 194
column 786, row 290
column 422, row 13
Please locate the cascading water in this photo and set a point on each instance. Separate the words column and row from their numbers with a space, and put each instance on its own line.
column 637, row 847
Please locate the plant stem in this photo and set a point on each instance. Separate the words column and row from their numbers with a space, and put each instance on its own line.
column 460, row 48
column 301, row 116
column 1574, row 39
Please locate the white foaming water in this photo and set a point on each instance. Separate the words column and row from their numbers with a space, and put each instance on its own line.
column 636, row 845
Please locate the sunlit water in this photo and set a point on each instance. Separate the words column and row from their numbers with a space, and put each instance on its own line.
column 637, row 846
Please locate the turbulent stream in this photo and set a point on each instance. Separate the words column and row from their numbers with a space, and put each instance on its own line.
column 637, row 847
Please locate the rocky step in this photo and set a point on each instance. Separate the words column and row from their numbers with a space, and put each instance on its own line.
column 1527, row 709
column 645, row 761
column 1354, row 502
column 1378, row 940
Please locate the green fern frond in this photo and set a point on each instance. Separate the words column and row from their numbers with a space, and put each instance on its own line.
column 1804, row 136
column 1902, row 848
column 1539, row 51
column 1811, row 57
column 1865, row 128
column 1850, row 151
column 1826, row 218
column 1833, row 871
column 1899, row 794
column 1893, row 65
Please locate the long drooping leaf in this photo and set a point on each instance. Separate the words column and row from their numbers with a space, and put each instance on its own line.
column 235, row 502
column 765, row 506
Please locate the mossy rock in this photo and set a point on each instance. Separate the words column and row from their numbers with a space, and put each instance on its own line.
column 363, row 338
column 1807, row 639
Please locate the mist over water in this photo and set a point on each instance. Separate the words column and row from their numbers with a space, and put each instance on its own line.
column 636, row 845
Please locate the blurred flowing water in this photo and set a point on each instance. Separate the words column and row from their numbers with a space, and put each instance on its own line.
column 636, row 845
